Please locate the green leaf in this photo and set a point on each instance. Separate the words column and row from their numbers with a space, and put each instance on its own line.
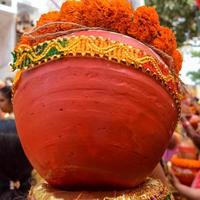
column 38, row 50
column 53, row 51
column 14, row 54
column 194, row 76
column 195, row 53
column 44, row 45
column 27, row 61
column 63, row 42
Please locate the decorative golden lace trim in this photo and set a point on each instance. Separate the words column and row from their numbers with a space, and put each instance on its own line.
column 26, row 57
column 150, row 190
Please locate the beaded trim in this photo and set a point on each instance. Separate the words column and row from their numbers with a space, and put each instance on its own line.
column 152, row 189
column 27, row 57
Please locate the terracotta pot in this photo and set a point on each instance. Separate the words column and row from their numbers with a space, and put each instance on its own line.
column 90, row 122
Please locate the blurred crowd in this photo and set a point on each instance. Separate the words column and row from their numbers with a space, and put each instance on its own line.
column 181, row 160
column 7, row 120
column 15, row 169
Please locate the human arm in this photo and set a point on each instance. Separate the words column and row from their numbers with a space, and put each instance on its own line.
column 158, row 173
column 191, row 193
column 190, row 131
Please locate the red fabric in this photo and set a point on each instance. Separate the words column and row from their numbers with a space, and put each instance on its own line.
column 197, row 3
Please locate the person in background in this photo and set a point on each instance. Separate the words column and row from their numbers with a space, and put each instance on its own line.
column 2, row 84
column 5, row 100
column 7, row 123
column 15, row 169
column 191, row 133
column 191, row 192
column 188, row 192
column 9, row 81
column 172, row 147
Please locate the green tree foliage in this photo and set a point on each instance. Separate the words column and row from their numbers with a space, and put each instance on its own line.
column 195, row 54
column 179, row 15
column 195, row 76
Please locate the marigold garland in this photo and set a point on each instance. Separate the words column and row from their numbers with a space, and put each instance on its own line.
column 114, row 15
column 145, row 24
column 185, row 163
column 165, row 40
column 48, row 17
column 178, row 60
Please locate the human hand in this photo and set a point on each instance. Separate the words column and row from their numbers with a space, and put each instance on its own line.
column 177, row 184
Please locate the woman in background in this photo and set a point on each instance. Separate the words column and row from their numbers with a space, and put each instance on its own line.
column 15, row 169
column 2, row 84
column 5, row 99
column 7, row 124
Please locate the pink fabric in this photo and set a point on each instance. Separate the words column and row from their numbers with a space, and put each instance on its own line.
column 196, row 182
column 169, row 153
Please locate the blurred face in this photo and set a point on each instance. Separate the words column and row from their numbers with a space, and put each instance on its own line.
column 5, row 104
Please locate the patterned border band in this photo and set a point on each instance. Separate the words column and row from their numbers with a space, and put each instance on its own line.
column 151, row 190
column 26, row 57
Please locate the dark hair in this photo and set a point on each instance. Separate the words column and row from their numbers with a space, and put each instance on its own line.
column 14, row 166
column 7, row 92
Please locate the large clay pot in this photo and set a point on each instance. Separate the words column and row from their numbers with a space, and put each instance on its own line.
column 91, row 122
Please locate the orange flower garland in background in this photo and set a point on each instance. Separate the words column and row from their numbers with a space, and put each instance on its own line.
column 178, row 60
column 185, row 169
column 185, row 163
column 145, row 24
column 114, row 15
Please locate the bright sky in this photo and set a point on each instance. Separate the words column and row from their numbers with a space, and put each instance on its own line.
column 189, row 63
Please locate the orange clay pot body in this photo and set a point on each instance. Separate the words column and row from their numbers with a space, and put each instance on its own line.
column 89, row 122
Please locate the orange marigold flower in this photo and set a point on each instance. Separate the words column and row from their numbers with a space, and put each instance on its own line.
column 165, row 40
column 108, row 14
column 71, row 11
column 119, row 15
column 53, row 16
column 49, row 17
column 44, row 19
column 115, row 15
column 26, row 40
column 178, row 60
column 145, row 24
column 185, row 163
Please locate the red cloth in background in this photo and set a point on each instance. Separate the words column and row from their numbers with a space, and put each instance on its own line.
column 197, row 2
